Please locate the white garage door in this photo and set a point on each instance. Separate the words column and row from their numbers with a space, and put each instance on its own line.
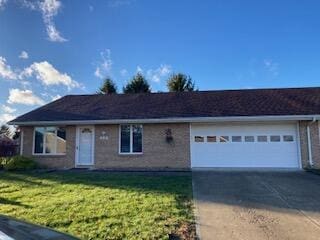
column 244, row 145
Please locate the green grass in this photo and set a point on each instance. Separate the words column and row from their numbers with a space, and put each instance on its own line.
column 99, row 205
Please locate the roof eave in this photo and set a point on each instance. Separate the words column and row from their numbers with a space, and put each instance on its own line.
column 172, row 120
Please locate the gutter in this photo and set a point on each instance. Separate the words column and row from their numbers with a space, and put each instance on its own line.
column 310, row 157
column 171, row 120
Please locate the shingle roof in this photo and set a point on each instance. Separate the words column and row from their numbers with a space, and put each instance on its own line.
column 226, row 103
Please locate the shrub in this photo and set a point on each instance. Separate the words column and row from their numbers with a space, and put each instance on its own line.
column 18, row 163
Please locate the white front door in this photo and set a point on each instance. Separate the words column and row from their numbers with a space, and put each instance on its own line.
column 85, row 145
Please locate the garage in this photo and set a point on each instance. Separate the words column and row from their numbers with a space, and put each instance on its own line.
column 245, row 145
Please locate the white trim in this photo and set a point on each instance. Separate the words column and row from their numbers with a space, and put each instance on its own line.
column 21, row 142
column 131, row 141
column 299, row 145
column 76, row 147
column 309, row 146
column 319, row 130
column 172, row 120
column 78, row 143
column 33, row 140
column 190, row 141
column 49, row 154
column 44, row 143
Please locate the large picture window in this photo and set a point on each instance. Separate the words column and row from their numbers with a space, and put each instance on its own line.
column 131, row 139
column 49, row 140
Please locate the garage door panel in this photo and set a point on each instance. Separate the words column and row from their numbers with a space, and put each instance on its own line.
column 244, row 154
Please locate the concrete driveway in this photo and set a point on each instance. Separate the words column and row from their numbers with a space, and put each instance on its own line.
column 257, row 205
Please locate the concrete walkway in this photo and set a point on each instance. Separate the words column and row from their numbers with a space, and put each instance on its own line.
column 257, row 205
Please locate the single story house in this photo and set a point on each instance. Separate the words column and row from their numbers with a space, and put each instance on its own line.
column 276, row 128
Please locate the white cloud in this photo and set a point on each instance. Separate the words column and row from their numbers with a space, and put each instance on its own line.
column 25, row 97
column 24, row 55
column 48, row 75
column 8, row 109
column 32, row 5
column 119, row 3
column 139, row 70
column 49, row 9
column 2, row 3
column 160, row 72
column 123, row 72
column 271, row 66
column 56, row 97
column 5, row 70
column 104, row 67
column 5, row 117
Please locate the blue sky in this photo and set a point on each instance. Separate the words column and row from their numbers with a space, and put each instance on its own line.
column 50, row 48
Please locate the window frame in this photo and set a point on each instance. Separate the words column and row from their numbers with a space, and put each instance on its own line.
column 200, row 137
column 236, row 136
column 267, row 138
column 224, row 138
column 288, row 135
column 44, row 142
column 131, row 140
column 212, row 137
column 273, row 140
column 245, row 138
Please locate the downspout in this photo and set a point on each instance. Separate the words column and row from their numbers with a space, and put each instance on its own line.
column 309, row 143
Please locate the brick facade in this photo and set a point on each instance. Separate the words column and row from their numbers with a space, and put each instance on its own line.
column 54, row 161
column 315, row 144
column 157, row 152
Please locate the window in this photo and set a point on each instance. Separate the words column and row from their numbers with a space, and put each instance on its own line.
column 131, row 139
column 288, row 138
column 49, row 140
column 224, row 139
column 211, row 139
column 275, row 138
column 236, row 138
column 198, row 139
column 249, row 138
column 262, row 139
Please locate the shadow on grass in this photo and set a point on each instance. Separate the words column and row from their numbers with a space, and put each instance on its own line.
column 11, row 202
column 178, row 184
column 145, row 182
column 21, row 178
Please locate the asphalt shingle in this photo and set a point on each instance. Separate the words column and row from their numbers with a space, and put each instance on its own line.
column 225, row 103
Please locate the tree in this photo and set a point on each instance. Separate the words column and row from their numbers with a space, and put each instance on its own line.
column 16, row 134
column 108, row 87
column 138, row 84
column 5, row 131
column 180, row 83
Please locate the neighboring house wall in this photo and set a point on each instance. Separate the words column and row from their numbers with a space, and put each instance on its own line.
column 315, row 143
column 51, row 161
column 157, row 153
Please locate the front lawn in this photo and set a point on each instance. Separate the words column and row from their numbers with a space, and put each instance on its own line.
column 101, row 205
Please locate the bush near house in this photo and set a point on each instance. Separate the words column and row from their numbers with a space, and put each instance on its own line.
column 17, row 163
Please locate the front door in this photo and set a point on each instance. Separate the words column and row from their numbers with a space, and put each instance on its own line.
column 85, row 145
